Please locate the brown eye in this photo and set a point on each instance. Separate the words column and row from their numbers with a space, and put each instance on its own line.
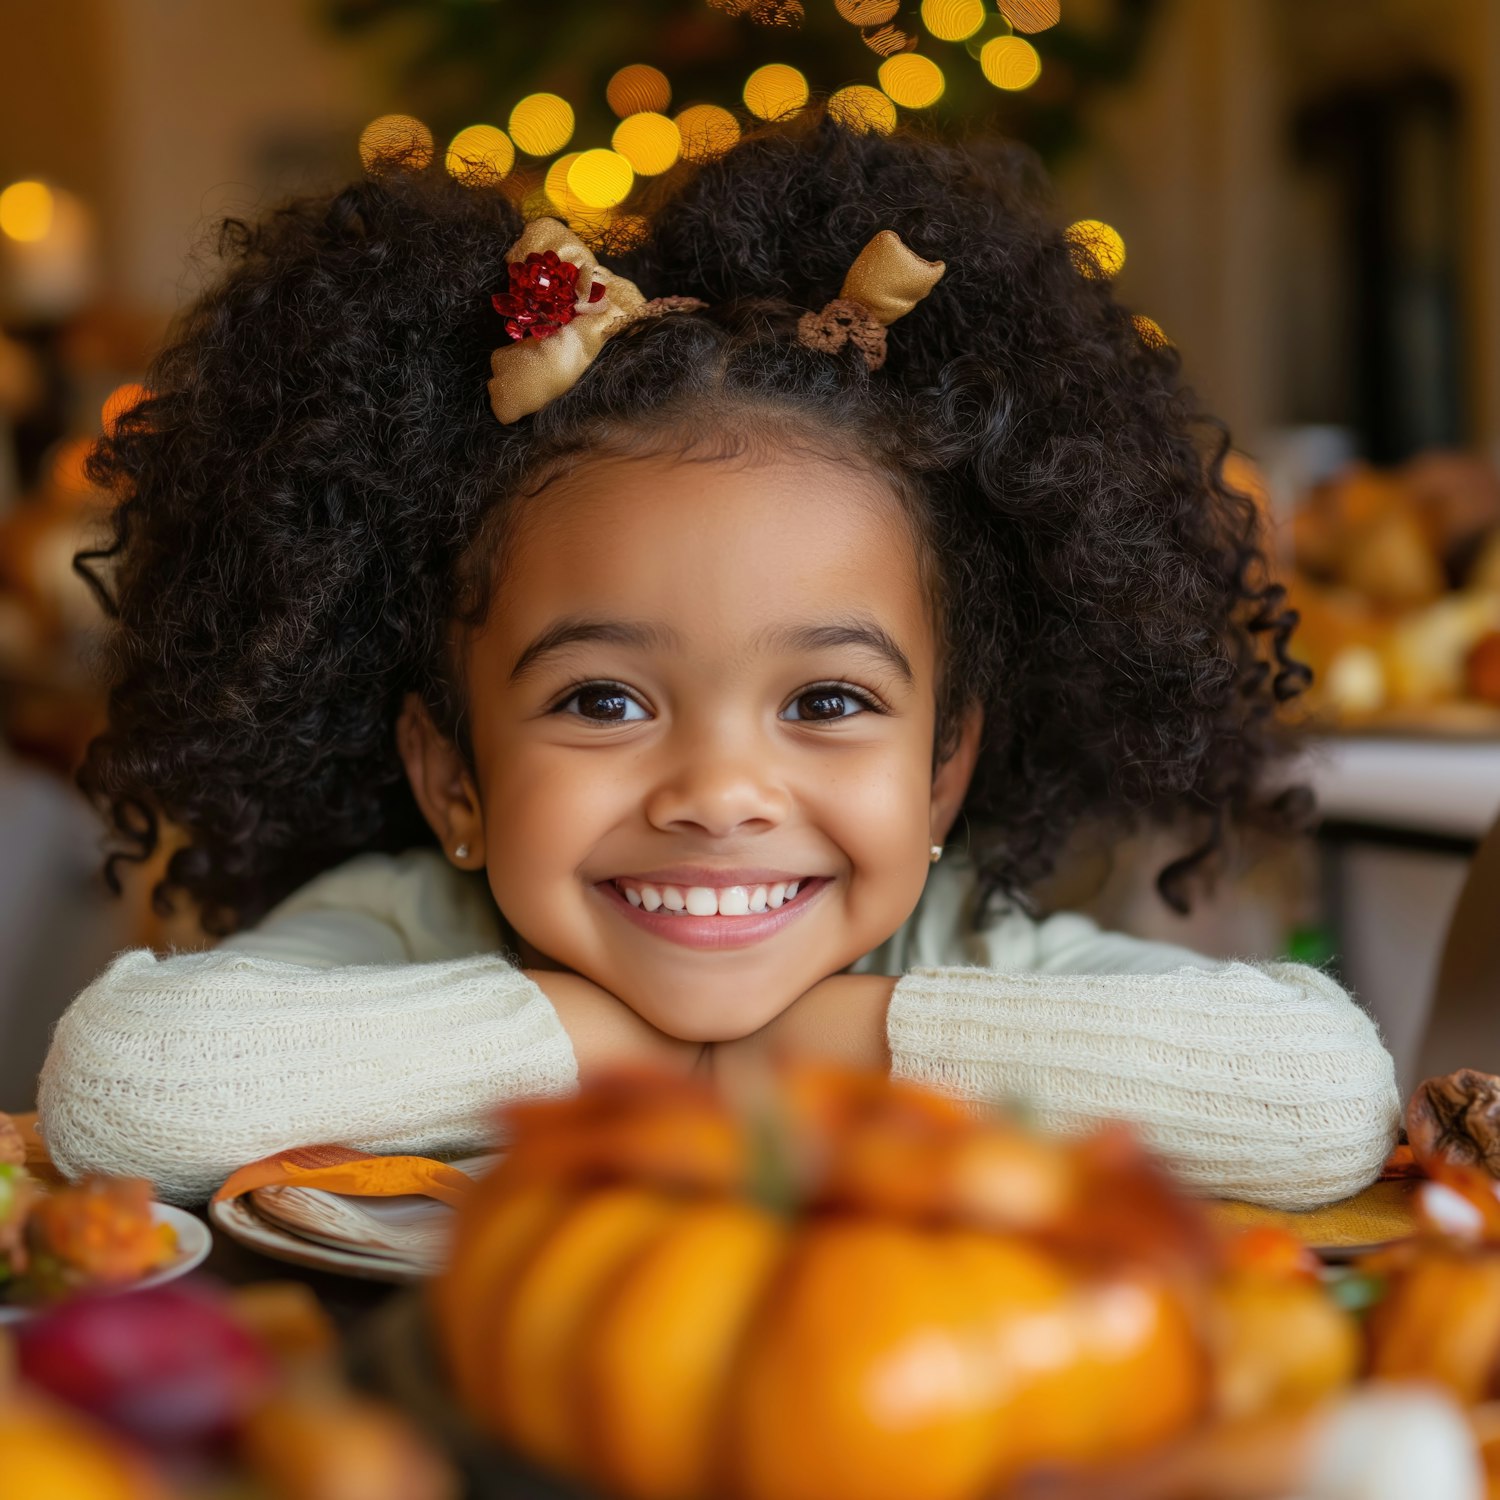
column 823, row 704
column 603, row 703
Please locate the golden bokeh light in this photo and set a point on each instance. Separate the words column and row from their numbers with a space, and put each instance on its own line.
column 601, row 178
column 867, row 12
column 952, row 20
column 541, row 124
column 912, row 81
column 538, row 204
column 628, row 230
column 650, row 142
column 66, row 468
column 862, row 107
column 555, row 184
column 480, row 153
column 1150, row 332
column 1098, row 249
column 395, row 141
column 707, row 131
column 1010, row 62
column 775, row 90
column 1031, row 15
column 637, row 88
column 123, row 399
column 26, row 210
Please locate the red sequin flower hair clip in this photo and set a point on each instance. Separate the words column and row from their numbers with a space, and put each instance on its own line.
column 560, row 305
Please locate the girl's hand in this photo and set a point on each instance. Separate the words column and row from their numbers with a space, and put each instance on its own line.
column 605, row 1032
column 839, row 1020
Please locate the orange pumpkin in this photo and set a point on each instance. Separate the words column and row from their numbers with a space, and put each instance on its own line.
column 661, row 1299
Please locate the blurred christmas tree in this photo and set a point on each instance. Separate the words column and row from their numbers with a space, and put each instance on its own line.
column 963, row 64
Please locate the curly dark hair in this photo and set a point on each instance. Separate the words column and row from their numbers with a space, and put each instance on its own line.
column 316, row 488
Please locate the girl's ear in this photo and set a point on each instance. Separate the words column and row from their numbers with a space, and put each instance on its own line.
column 950, row 782
column 442, row 785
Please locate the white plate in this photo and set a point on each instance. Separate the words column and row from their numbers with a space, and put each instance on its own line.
column 237, row 1218
column 193, row 1244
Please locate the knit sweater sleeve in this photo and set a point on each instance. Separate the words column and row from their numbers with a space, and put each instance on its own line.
column 314, row 1028
column 1262, row 1083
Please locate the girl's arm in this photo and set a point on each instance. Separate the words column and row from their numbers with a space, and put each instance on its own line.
column 185, row 1068
column 1262, row 1083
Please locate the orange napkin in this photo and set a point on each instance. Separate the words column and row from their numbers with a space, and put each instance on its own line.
column 341, row 1169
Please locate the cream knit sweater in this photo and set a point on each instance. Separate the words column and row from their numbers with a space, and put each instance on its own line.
column 376, row 1007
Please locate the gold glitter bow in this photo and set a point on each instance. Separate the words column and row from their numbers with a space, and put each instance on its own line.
column 561, row 305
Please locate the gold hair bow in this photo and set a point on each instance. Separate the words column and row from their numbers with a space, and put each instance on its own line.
column 560, row 305
column 885, row 282
column 559, row 308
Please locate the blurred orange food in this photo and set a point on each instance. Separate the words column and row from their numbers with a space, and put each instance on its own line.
column 852, row 1288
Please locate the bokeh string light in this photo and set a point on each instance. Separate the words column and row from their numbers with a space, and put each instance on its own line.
column 1031, row 15
column 541, row 124
column 26, row 211
column 650, row 142
column 601, row 178
column 775, row 91
column 867, row 12
column 861, row 107
column 1010, row 62
column 952, row 20
column 637, row 88
column 1098, row 249
column 912, row 81
column 708, row 130
column 395, row 140
column 1150, row 332
column 480, row 153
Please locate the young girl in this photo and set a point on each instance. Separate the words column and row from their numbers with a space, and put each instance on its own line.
column 542, row 679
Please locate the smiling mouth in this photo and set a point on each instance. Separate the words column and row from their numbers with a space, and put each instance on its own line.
column 710, row 901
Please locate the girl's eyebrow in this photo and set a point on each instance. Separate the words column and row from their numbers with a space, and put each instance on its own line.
column 856, row 631
column 570, row 631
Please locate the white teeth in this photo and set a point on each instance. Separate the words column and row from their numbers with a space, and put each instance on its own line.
column 706, row 901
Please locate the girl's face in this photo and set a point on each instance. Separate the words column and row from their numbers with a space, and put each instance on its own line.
column 702, row 722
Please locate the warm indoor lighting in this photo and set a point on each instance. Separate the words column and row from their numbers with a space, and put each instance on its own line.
column 123, row 399
column 541, row 124
column 638, row 88
column 912, row 81
column 600, row 178
column 395, row 140
column 867, row 12
column 861, row 107
column 1010, row 62
column 775, row 90
column 1099, row 251
column 707, row 131
column 952, row 20
column 26, row 210
column 649, row 142
column 480, row 153
column 1150, row 333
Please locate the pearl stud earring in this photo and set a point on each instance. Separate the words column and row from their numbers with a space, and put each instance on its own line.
column 934, row 854
column 462, row 852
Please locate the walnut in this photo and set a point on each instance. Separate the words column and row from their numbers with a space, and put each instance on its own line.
column 1456, row 1118
column 12, row 1146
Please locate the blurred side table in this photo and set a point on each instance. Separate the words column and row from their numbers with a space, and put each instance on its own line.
column 1402, row 817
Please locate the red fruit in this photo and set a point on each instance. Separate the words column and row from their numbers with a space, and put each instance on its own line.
column 168, row 1365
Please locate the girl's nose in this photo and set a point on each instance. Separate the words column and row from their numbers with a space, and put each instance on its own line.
column 717, row 794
